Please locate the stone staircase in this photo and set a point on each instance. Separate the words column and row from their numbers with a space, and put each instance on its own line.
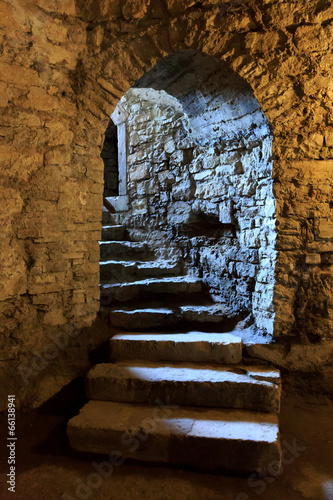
column 177, row 389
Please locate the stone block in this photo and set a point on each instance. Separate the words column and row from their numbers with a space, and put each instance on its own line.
column 313, row 259
column 326, row 229
column 217, row 439
column 226, row 212
column 139, row 172
column 187, row 384
column 187, row 347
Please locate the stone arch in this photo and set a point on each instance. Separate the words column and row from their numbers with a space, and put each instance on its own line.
column 260, row 58
column 222, row 147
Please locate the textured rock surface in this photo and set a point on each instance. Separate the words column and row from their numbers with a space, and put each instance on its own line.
column 186, row 385
column 63, row 69
column 191, row 346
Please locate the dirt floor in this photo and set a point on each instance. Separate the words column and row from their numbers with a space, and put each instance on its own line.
column 47, row 469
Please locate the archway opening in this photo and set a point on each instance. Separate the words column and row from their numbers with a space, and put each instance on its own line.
column 197, row 158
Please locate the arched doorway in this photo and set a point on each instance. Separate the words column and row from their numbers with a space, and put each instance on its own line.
column 197, row 158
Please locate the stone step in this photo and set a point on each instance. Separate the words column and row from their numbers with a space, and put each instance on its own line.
column 124, row 250
column 113, row 233
column 186, row 384
column 159, row 268
column 119, row 271
column 213, row 439
column 153, row 286
column 192, row 346
column 142, row 318
column 214, row 313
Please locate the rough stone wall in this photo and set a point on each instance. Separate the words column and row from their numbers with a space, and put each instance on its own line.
column 64, row 66
column 212, row 203
column 50, row 191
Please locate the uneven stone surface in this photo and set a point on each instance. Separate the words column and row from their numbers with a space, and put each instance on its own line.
column 113, row 271
column 201, row 177
column 142, row 318
column 158, row 268
column 59, row 85
column 185, row 385
column 123, row 250
column 191, row 346
column 206, row 314
column 208, row 439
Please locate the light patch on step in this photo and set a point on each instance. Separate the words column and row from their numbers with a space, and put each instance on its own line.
column 143, row 311
column 211, row 338
column 235, row 430
column 194, row 374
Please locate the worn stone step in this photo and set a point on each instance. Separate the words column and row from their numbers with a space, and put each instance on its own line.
column 124, row 250
column 107, row 217
column 159, row 268
column 142, row 318
column 213, row 439
column 113, row 233
column 152, row 286
column 131, row 317
column 191, row 346
column 186, row 384
column 214, row 313
column 119, row 271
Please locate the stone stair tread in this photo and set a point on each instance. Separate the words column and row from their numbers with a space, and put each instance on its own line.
column 234, row 440
column 206, row 313
column 164, row 280
column 188, row 346
column 141, row 264
column 187, row 384
column 142, row 318
column 124, row 250
column 148, row 310
column 141, row 310
column 193, row 336
column 167, row 285
column 124, row 244
column 183, row 372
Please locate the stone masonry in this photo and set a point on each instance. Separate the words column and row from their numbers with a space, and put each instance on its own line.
column 64, row 66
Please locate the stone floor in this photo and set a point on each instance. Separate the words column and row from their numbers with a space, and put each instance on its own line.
column 49, row 470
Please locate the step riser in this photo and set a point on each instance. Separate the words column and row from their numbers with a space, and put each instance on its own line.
column 112, row 273
column 116, row 233
column 261, row 397
column 122, row 252
column 174, row 436
column 200, row 352
column 203, row 454
column 142, row 321
column 109, row 273
column 109, row 219
column 130, row 291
